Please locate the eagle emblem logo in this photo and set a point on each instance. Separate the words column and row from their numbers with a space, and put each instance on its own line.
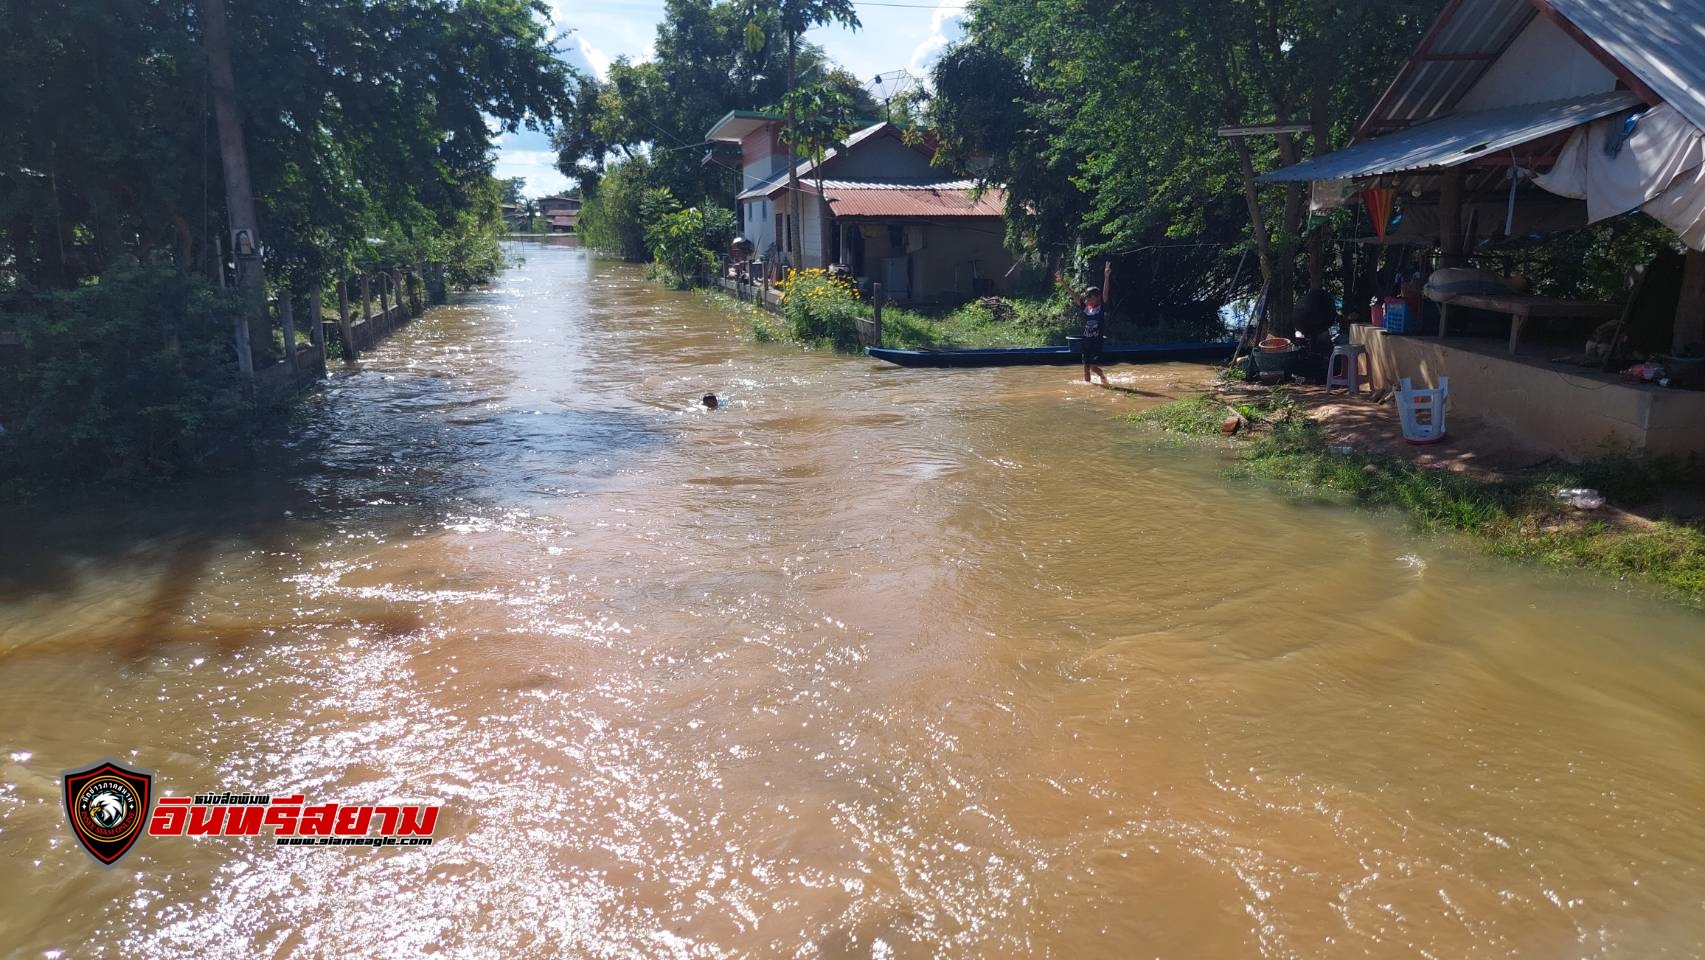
column 107, row 804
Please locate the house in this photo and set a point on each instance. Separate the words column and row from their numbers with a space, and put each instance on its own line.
column 1518, row 118
column 876, row 206
column 561, row 213
column 515, row 217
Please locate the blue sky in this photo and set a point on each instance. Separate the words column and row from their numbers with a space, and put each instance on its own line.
column 595, row 32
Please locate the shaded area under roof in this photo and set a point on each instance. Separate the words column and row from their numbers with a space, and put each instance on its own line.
column 1449, row 141
column 1662, row 42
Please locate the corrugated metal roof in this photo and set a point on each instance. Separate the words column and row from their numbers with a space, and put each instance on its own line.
column 1455, row 139
column 1662, row 42
column 806, row 167
column 1455, row 53
column 913, row 201
column 898, row 184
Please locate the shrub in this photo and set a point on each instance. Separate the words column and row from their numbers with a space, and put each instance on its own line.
column 821, row 308
column 132, row 378
column 677, row 243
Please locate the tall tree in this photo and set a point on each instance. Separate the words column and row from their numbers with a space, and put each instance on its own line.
column 1100, row 121
column 252, row 326
column 791, row 18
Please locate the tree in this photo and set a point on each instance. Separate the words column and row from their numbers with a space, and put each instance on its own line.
column 1100, row 121
column 791, row 18
column 824, row 115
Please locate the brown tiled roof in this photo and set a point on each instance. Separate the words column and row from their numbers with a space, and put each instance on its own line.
column 954, row 199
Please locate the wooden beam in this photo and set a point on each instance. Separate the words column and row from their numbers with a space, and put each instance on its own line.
column 1262, row 129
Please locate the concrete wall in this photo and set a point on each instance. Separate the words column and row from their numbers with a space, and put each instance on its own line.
column 1547, row 407
column 943, row 269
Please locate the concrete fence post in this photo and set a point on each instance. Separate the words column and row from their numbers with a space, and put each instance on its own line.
column 876, row 313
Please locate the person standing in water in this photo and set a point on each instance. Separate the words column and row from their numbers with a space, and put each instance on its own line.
column 1094, row 316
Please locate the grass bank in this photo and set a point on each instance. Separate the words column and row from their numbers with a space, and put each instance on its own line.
column 1517, row 515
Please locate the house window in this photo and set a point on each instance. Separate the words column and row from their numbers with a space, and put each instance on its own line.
column 781, row 235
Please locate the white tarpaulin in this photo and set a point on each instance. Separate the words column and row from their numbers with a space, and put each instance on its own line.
column 1655, row 162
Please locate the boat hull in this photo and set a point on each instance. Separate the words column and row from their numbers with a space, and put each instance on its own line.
column 1219, row 351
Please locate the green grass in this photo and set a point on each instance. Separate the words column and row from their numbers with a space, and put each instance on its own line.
column 1517, row 516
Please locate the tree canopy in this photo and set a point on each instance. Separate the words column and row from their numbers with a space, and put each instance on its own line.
column 366, row 120
column 1100, row 120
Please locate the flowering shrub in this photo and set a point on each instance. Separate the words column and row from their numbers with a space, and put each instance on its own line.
column 821, row 307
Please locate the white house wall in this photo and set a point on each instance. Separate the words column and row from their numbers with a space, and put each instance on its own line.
column 760, row 225
column 1543, row 63
column 811, row 222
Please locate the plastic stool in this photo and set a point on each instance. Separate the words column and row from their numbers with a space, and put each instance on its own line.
column 1348, row 368
column 1422, row 411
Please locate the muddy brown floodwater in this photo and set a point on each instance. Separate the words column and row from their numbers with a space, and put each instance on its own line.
column 867, row 663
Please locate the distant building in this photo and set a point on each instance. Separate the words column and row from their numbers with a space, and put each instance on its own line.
column 515, row 218
column 561, row 213
column 876, row 206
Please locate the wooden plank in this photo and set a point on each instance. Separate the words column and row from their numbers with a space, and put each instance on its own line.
column 1262, row 129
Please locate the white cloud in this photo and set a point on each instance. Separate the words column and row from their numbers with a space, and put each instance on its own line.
column 595, row 58
column 537, row 166
column 946, row 25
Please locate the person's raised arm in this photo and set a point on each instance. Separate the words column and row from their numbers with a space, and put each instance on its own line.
column 1072, row 295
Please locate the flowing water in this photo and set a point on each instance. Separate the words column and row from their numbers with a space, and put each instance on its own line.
column 867, row 663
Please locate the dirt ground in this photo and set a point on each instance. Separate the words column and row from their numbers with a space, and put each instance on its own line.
column 1368, row 423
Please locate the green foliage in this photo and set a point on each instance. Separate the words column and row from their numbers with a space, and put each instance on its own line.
column 611, row 218
column 823, row 117
column 822, row 309
column 130, row 378
column 677, row 243
column 711, row 56
column 362, row 119
column 1198, row 416
column 1100, row 121
column 720, row 226
column 1516, row 515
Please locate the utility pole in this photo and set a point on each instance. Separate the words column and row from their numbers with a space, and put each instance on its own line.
column 794, row 235
column 252, row 325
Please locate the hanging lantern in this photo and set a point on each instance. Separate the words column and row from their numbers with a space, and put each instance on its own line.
column 1380, row 202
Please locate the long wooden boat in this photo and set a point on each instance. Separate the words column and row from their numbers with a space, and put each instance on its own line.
column 1218, row 351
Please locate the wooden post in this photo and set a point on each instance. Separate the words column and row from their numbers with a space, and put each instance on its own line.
column 317, row 328
column 239, row 195
column 384, row 301
column 343, row 326
column 367, row 299
column 1450, row 219
column 1690, row 308
column 876, row 312
column 316, row 318
column 287, row 319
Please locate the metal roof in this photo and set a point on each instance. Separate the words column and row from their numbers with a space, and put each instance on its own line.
column 1652, row 44
column 1661, row 42
column 1456, row 139
column 778, row 183
column 736, row 125
column 1461, row 45
column 942, row 200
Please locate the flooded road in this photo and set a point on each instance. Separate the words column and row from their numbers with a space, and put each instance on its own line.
column 868, row 663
